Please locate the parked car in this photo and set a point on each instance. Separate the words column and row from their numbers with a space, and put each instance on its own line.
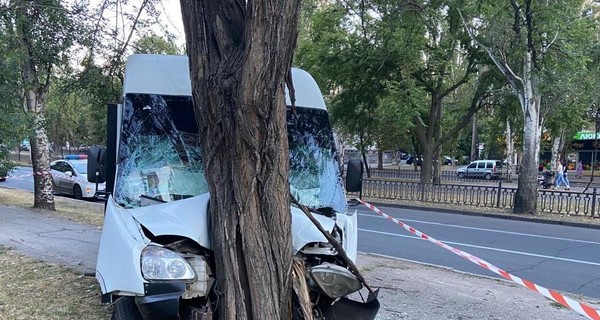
column 488, row 169
column 69, row 176
column 83, row 148
column 411, row 160
column 448, row 160
column 25, row 145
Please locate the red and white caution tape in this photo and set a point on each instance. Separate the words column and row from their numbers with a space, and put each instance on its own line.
column 579, row 307
column 45, row 173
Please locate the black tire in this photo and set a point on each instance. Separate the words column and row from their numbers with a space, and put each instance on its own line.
column 488, row 176
column 125, row 309
column 77, row 193
column 461, row 175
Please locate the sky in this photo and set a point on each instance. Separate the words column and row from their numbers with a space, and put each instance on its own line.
column 171, row 18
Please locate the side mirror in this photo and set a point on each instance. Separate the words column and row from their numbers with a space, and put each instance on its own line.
column 96, row 156
column 69, row 173
column 354, row 174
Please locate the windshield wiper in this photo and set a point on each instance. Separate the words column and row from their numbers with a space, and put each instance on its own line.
column 152, row 198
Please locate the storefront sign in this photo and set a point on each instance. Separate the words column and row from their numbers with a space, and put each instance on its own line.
column 586, row 135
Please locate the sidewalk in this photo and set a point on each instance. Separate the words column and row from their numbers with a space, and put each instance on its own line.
column 407, row 290
column 41, row 235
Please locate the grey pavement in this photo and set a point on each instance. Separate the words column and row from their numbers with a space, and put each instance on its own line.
column 49, row 238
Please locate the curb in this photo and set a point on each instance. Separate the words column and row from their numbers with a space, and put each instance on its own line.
column 490, row 215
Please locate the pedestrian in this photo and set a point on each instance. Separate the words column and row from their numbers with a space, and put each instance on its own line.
column 560, row 176
column 579, row 169
column 565, row 176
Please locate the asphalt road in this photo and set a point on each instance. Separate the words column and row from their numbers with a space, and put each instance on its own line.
column 19, row 178
column 554, row 256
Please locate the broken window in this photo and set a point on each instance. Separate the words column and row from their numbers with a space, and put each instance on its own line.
column 315, row 179
column 159, row 157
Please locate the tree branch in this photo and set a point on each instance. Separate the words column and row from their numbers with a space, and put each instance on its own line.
column 512, row 78
column 464, row 78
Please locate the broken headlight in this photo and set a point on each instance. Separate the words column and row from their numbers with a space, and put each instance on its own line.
column 334, row 280
column 162, row 264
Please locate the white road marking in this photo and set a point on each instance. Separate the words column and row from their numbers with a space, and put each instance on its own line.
column 485, row 248
column 481, row 229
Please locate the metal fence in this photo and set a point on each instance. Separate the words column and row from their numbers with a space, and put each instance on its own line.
column 495, row 196
column 408, row 174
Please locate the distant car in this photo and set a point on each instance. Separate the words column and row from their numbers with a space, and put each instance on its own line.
column 25, row 145
column 448, row 160
column 488, row 169
column 411, row 160
column 83, row 148
column 69, row 176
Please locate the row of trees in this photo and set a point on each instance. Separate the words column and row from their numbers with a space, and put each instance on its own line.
column 402, row 73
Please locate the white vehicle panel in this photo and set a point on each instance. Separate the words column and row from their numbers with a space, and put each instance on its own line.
column 187, row 218
column 348, row 223
column 118, row 265
column 305, row 232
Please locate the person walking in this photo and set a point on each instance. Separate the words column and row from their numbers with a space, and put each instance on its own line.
column 579, row 170
column 560, row 176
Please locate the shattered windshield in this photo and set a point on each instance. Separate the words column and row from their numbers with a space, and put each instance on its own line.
column 159, row 157
column 315, row 179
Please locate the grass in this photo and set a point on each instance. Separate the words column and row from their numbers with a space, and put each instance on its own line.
column 75, row 210
column 31, row 289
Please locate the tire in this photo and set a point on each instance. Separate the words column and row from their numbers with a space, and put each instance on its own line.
column 488, row 176
column 125, row 309
column 77, row 193
column 461, row 175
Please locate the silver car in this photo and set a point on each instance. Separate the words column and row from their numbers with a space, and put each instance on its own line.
column 69, row 176
column 488, row 169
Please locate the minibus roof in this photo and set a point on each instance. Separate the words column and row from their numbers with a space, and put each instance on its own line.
column 169, row 75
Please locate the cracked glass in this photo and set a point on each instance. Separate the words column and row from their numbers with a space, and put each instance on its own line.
column 159, row 158
column 315, row 179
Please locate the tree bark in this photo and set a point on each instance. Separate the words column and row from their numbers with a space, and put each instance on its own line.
column 526, row 195
column 510, row 150
column 240, row 53
column 426, row 166
column 40, row 161
column 380, row 159
column 474, row 144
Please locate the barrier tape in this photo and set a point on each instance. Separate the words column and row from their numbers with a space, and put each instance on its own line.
column 576, row 306
column 46, row 173
column 42, row 173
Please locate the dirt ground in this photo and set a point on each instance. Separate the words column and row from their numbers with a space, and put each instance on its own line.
column 419, row 292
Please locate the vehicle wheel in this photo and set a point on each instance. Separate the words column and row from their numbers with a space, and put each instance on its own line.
column 488, row 176
column 77, row 194
column 461, row 175
column 125, row 309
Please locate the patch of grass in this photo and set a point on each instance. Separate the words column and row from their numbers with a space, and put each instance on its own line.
column 31, row 289
column 75, row 210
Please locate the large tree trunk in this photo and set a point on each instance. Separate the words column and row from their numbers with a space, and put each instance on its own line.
column 40, row 160
column 426, row 164
column 34, row 104
column 526, row 195
column 240, row 53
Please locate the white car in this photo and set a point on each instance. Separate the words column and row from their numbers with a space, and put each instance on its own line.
column 69, row 176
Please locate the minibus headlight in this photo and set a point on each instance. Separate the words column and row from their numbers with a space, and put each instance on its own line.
column 162, row 264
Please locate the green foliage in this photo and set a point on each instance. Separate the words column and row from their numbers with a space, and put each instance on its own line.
column 154, row 44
